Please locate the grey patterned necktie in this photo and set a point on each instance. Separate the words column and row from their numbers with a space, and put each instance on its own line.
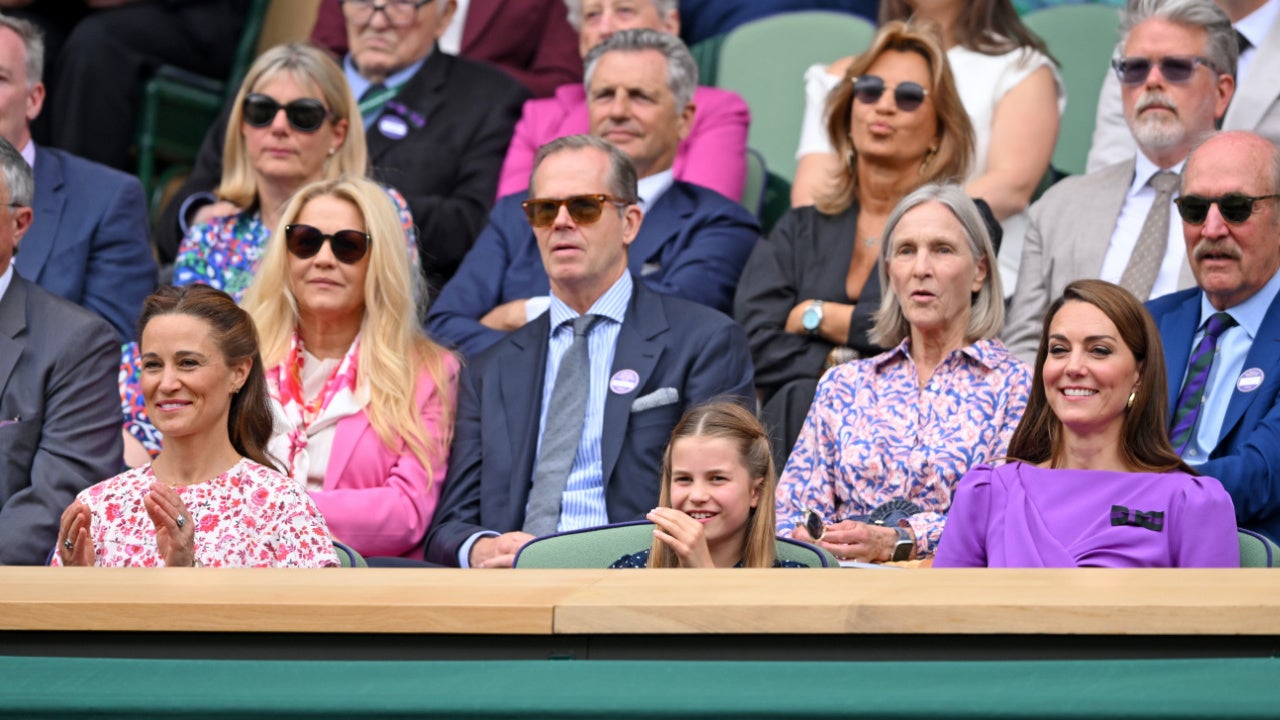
column 1148, row 253
column 562, row 432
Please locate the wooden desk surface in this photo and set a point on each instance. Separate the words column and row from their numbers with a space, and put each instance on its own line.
column 545, row 602
column 343, row 601
column 1093, row 602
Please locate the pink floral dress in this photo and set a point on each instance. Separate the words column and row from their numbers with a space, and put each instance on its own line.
column 250, row 516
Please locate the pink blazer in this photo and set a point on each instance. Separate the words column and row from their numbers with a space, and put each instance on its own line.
column 375, row 499
column 714, row 155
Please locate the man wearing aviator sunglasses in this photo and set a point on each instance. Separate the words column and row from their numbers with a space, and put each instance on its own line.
column 563, row 423
column 693, row 244
column 1256, row 105
column 1119, row 223
column 437, row 127
column 1220, row 338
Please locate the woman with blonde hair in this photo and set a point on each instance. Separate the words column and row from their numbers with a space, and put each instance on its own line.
column 335, row 305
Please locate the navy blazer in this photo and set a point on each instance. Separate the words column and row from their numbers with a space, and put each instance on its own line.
column 693, row 243
column 1247, row 457
column 88, row 240
column 667, row 341
column 59, row 415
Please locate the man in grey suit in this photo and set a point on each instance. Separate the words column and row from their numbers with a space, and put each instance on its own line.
column 1119, row 223
column 1256, row 105
column 59, row 402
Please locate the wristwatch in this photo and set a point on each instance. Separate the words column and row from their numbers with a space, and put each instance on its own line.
column 903, row 547
column 812, row 317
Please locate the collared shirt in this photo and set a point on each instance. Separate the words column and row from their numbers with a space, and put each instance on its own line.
column 29, row 153
column 1233, row 347
column 6, row 278
column 873, row 435
column 451, row 40
column 1255, row 27
column 583, row 504
column 359, row 83
column 1133, row 215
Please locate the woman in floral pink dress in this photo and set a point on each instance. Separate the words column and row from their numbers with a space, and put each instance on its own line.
column 212, row 497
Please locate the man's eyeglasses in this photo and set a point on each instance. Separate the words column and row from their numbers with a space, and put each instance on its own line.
column 1174, row 68
column 906, row 95
column 399, row 13
column 304, row 241
column 1235, row 207
column 305, row 114
column 583, row 209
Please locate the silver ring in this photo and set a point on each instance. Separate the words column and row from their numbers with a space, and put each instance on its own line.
column 68, row 544
column 182, row 520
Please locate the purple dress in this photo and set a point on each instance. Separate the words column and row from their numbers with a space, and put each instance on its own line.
column 1020, row 515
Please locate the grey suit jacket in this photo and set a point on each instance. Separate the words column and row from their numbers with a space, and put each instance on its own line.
column 1255, row 106
column 59, row 414
column 1066, row 240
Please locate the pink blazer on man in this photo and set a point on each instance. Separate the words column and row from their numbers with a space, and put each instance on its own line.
column 377, row 500
column 714, row 155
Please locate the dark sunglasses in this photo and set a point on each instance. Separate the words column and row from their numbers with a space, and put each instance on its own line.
column 907, row 96
column 1235, row 207
column 304, row 241
column 1174, row 68
column 305, row 114
column 583, row 209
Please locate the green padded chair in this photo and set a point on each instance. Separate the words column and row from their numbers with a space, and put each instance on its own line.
column 1083, row 38
column 1256, row 551
column 179, row 106
column 764, row 62
column 348, row 557
column 602, row 546
column 753, row 189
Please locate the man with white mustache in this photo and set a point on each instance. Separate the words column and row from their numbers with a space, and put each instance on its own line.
column 1176, row 66
column 1220, row 337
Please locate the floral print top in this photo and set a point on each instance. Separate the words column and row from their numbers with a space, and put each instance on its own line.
column 249, row 516
column 222, row 253
column 873, row 434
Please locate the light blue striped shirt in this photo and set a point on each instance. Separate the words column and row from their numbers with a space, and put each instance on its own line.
column 582, row 504
column 1228, row 364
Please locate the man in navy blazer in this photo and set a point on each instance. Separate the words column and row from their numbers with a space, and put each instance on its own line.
column 88, row 240
column 59, row 403
column 667, row 353
column 693, row 243
column 1236, row 438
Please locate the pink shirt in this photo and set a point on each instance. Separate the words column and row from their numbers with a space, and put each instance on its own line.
column 714, row 155
column 874, row 435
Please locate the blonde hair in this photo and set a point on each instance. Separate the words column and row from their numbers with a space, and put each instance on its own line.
column 393, row 347
column 310, row 67
column 727, row 420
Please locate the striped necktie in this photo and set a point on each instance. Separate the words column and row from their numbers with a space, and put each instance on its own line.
column 1191, row 398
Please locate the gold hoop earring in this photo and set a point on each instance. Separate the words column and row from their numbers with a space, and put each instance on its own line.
column 928, row 158
column 1132, row 396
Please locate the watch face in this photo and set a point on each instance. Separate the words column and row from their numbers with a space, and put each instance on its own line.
column 810, row 319
column 813, row 524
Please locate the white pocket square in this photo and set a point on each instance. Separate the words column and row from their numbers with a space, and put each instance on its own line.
column 657, row 398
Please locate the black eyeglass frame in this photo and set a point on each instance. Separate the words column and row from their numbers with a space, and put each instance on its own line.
column 1180, row 64
column 361, row 7
column 346, row 250
column 293, row 112
column 1235, row 208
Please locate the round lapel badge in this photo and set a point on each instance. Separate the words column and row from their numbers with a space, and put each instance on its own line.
column 393, row 127
column 1250, row 380
column 624, row 381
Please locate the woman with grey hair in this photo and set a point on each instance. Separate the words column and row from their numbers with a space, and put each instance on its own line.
column 888, row 437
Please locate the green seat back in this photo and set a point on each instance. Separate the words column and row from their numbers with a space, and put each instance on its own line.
column 1256, row 551
column 1083, row 39
column 764, row 62
column 753, row 190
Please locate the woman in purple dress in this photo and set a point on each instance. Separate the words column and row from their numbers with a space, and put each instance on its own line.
column 1092, row 479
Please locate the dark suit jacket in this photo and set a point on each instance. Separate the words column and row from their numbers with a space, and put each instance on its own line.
column 692, row 244
column 668, row 342
column 1247, row 457
column 460, row 116
column 530, row 40
column 88, row 240
column 58, row 366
